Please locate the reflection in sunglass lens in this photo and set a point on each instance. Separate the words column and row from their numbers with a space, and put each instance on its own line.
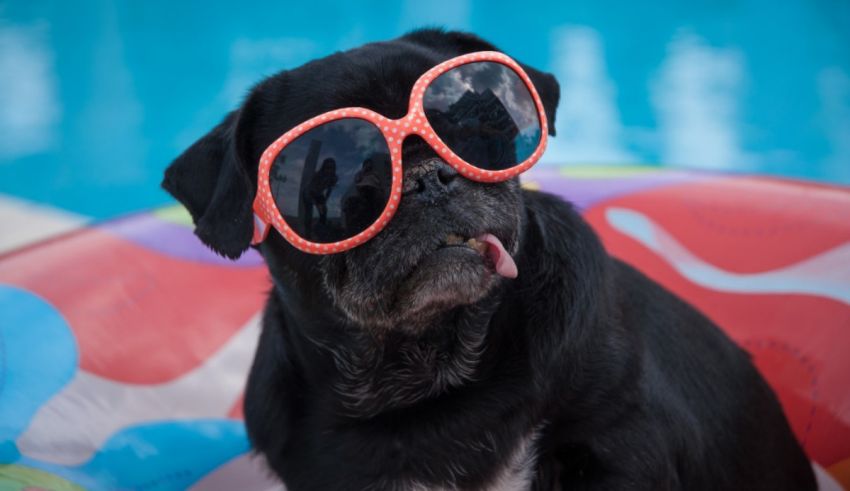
column 333, row 182
column 484, row 112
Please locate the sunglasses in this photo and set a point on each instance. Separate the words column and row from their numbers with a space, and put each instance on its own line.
column 334, row 181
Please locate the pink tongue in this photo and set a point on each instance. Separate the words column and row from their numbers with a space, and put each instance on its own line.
column 505, row 265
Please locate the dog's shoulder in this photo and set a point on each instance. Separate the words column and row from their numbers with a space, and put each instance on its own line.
column 665, row 364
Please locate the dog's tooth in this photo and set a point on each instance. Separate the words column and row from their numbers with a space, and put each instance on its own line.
column 453, row 239
column 479, row 246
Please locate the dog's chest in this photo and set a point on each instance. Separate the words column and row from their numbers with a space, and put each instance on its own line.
column 516, row 474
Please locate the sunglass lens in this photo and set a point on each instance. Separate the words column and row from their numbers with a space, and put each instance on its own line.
column 333, row 181
column 484, row 112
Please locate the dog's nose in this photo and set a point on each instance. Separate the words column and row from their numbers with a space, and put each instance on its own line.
column 429, row 180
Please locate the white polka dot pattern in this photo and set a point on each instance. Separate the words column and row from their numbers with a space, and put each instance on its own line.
column 394, row 131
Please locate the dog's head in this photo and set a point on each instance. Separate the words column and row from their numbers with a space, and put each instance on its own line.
column 406, row 274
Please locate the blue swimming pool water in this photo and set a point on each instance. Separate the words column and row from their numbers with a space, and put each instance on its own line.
column 97, row 97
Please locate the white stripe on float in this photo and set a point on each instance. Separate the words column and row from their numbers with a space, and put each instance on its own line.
column 24, row 222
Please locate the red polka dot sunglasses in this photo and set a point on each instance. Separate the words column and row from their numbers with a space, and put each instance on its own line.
column 335, row 181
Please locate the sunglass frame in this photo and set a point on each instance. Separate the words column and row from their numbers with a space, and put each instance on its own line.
column 394, row 131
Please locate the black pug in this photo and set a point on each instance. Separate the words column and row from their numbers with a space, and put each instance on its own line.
column 395, row 366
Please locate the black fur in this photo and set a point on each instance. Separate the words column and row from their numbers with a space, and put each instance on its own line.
column 383, row 367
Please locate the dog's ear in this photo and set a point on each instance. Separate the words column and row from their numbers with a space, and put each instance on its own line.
column 211, row 180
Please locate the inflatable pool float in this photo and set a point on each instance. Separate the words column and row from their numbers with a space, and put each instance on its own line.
column 116, row 374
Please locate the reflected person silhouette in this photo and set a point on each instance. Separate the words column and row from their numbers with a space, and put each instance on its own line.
column 318, row 191
column 365, row 199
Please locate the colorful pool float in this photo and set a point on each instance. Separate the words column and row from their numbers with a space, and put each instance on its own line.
column 113, row 375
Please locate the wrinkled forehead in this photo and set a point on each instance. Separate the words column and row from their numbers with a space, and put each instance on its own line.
column 378, row 76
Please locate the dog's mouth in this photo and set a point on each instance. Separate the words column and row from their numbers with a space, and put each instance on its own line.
column 489, row 248
column 460, row 270
column 430, row 261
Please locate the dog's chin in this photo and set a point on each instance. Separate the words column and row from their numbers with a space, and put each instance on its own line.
column 442, row 280
column 449, row 277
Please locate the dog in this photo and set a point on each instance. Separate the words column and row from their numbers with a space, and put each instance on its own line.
column 396, row 365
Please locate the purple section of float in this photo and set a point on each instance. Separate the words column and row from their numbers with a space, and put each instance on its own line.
column 149, row 231
column 585, row 192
